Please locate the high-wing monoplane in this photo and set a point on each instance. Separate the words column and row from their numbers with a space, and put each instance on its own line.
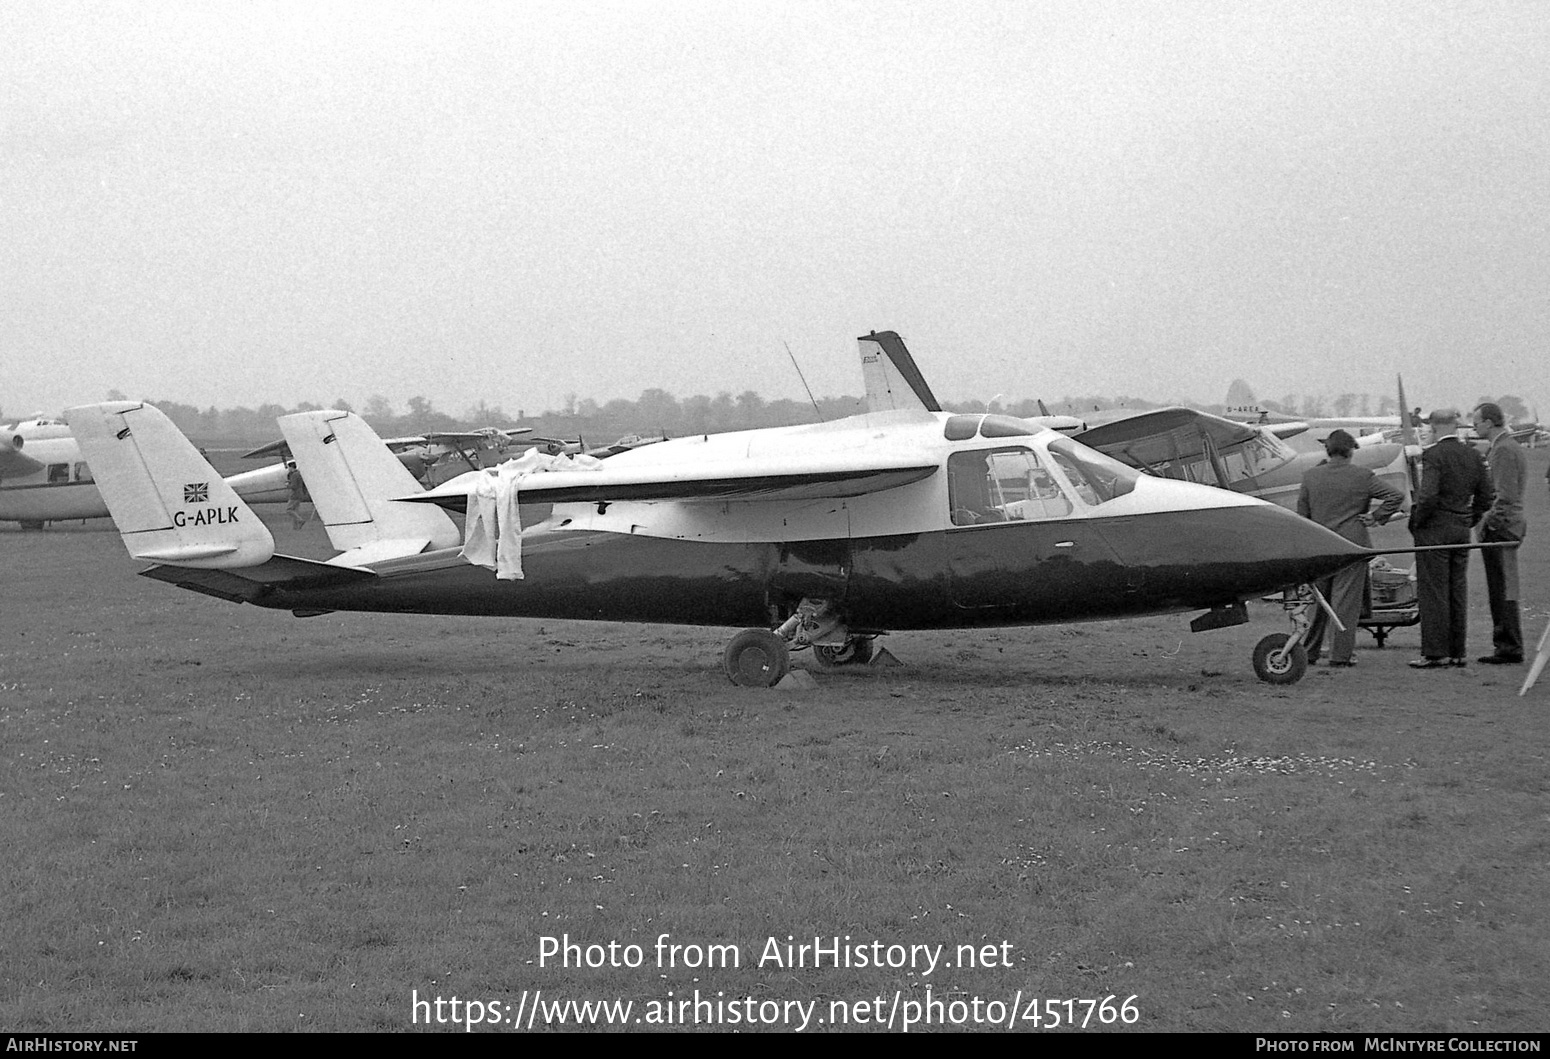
column 820, row 537
column 1247, row 458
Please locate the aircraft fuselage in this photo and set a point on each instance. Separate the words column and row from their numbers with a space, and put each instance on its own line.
column 1013, row 530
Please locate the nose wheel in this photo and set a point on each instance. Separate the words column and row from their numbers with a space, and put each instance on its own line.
column 1282, row 658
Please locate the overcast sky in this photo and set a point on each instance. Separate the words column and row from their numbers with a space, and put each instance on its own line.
column 232, row 203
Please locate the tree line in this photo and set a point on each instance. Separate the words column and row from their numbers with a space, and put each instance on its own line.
column 657, row 412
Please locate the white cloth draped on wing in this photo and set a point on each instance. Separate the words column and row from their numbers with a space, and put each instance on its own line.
column 492, row 529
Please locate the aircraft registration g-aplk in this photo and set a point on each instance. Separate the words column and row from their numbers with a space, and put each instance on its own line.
column 821, row 537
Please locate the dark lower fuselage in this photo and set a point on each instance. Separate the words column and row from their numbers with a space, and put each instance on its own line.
column 1001, row 574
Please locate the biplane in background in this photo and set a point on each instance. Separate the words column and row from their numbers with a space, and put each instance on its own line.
column 431, row 458
column 821, row 537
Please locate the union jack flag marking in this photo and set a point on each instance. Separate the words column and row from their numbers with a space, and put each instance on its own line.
column 196, row 493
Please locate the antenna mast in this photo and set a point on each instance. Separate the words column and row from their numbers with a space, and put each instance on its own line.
column 806, row 387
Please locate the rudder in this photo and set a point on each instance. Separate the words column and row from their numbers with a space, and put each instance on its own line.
column 351, row 475
column 893, row 382
column 169, row 504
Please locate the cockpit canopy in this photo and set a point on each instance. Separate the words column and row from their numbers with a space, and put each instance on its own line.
column 1048, row 476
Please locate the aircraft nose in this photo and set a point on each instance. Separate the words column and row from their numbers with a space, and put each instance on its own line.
column 1303, row 548
column 1239, row 550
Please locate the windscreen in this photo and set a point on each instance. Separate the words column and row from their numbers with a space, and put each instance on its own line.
column 1097, row 478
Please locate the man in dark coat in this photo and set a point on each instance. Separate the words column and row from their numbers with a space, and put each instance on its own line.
column 1455, row 494
column 1504, row 522
column 1337, row 495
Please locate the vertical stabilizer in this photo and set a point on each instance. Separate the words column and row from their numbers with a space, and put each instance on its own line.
column 168, row 503
column 350, row 475
column 893, row 382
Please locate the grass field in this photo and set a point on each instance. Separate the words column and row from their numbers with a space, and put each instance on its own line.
column 222, row 818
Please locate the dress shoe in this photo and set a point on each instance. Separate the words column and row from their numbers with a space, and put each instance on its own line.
column 1458, row 663
column 1501, row 660
column 1430, row 663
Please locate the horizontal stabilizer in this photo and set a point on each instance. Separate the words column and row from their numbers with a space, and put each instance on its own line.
column 252, row 583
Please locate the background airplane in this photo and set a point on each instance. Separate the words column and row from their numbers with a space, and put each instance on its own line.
column 43, row 478
column 1200, row 447
column 37, row 428
column 432, row 458
column 820, row 536
column 579, row 447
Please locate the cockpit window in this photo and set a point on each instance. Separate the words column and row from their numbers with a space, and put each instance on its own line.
column 993, row 426
column 961, row 428
column 964, row 427
column 1002, row 485
column 82, row 472
column 58, row 472
column 1097, row 478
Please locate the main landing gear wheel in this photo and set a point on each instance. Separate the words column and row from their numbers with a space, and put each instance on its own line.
column 1276, row 667
column 756, row 658
column 857, row 651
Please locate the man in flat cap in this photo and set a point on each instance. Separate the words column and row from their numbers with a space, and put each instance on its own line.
column 1504, row 522
column 1337, row 495
column 1455, row 494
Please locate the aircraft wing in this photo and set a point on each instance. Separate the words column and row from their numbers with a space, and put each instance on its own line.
column 282, row 449
column 1146, row 439
column 14, row 463
column 453, row 436
column 279, row 450
column 1287, row 430
column 470, row 437
column 755, row 479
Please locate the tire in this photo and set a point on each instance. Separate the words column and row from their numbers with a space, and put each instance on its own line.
column 856, row 651
column 756, row 658
column 1289, row 670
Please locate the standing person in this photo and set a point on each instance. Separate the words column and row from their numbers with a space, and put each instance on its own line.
column 1455, row 494
column 1337, row 495
column 1504, row 522
column 299, row 496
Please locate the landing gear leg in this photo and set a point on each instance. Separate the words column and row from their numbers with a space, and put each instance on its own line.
column 1281, row 658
